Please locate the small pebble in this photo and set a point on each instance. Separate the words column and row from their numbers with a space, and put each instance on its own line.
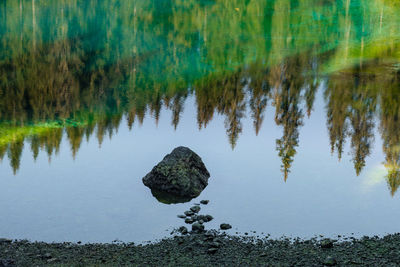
column 195, row 209
column 189, row 220
column 204, row 202
column 212, row 250
column 330, row 261
column 189, row 213
column 225, row 226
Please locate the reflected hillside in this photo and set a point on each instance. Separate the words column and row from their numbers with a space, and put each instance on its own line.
column 78, row 69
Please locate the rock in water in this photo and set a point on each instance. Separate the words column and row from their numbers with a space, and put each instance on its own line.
column 225, row 226
column 181, row 173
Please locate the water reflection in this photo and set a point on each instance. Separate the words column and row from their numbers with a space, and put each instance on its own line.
column 79, row 69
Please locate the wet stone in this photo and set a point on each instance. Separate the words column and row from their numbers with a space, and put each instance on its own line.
column 7, row 262
column 189, row 220
column 209, row 218
column 204, row 202
column 52, row 260
column 189, row 213
column 212, row 250
column 47, row 255
column 183, row 230
column 326, row 243
column 330, row 261
column 195, row 209
column 215, row 244
column 197, row 227
column 181, row 216
column 225, row 226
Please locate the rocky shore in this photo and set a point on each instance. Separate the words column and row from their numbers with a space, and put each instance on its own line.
column 197, row 246
column 209, row 248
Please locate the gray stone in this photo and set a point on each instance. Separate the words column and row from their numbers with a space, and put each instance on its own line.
column 183, row 230
column 326, row 243
column 215, row 244
column 181, row 173
column 212, row 250
column 209, row 218
column 189, row 213
column 7, row 263
column 197, row 227
column 195, row 209
column 189, row 220
column 330, row 261
column 47, row 255
column 225, row 226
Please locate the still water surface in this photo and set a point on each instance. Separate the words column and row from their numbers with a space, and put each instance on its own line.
column 293, row 106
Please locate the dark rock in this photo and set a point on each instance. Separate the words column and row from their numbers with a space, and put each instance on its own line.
column 195, row 209
column 183, row 230
column 47, row 256
column 197, row 227
column 189, row 220
column 181, row 173
column 7, row 263
column 326, row 243
column 189, row 213
column 5, row 240
column 212, row 250
column 52, row 260
column 330, row 261
column 209, row 218
column 215, row 244
column 182, row 216
column 204, row 202
column 225, row 226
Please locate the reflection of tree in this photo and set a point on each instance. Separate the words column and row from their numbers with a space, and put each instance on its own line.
column 14, row 154
column 287, row 83
column 225, row 95
column 390, row 128
column 259, row 89
column 337, row 97
column 351, row 107
column 81, row 76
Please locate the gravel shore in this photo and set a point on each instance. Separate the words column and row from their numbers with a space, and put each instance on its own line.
column 208, row 248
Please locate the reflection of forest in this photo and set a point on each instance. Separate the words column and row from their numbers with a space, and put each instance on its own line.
column 68, row 73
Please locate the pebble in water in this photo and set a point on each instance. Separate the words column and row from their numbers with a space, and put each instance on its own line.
column 225, row 226
column 195, row 209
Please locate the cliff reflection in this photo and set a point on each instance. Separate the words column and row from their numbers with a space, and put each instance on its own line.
column 65, row 72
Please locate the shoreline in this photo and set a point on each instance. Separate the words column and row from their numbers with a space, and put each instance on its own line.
column 208, row 248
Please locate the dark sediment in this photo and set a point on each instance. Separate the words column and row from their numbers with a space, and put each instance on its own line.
column 209, row 248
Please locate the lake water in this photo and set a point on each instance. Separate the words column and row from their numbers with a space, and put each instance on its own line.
column 294, row 107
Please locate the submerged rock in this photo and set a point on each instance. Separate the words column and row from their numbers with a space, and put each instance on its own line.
column 181, row 175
